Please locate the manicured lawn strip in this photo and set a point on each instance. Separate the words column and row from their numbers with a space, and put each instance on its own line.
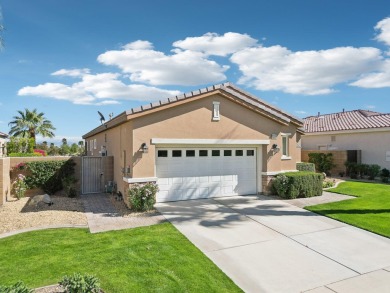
column 148, row 259
column 370, row 210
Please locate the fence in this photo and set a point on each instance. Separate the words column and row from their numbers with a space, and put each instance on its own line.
column 7, row 164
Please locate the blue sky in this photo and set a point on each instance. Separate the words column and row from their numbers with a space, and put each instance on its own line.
column 70, row 59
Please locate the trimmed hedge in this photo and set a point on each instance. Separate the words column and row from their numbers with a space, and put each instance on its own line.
column 309, row 167
column 24, row 155
column 298, row 184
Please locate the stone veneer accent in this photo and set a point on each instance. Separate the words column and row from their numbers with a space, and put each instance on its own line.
column 266, row 181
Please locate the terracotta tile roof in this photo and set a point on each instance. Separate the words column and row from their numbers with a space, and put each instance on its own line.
column 348, row 120
column 3, row 135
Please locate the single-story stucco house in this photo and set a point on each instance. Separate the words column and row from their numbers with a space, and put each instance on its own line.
column 362, row 130
column 3, row 138
column 216, row 141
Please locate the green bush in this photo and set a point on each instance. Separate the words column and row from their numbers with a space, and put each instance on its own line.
column 78, row 283
column 20, row 145
column 310, row 167
column 373, row 171
column 18, row 287
column 25, row 155
column 298, row 184
column 48, row 175
column 142, row 197
column 385, row 173
column 322, row 161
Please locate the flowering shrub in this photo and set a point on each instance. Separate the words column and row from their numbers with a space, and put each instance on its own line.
column 40, row 152
column 20, row 166
column 142, row 197
column 20, row 186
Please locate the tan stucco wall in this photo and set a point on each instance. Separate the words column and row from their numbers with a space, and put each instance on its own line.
column 194, row 120
column 5, row 183
column 372, row 144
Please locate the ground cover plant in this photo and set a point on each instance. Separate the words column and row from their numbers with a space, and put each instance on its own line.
column 370, row 210
column 147, row 259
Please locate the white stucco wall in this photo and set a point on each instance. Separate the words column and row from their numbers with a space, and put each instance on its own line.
column 374, row 145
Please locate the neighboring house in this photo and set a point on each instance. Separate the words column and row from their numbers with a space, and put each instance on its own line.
column 363, row 130
column 3, row 137
column 217, row 141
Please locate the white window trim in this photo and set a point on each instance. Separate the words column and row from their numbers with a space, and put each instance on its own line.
column 287, row 155
column 216, row 115
column 94, row 144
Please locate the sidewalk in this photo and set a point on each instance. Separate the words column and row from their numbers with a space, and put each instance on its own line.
column 102, row 215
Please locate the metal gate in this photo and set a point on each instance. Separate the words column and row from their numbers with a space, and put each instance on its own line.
column 92, row 175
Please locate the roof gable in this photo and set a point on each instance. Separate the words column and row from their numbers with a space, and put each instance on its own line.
column 3, row 135
column 226, row 89
column 346, row 120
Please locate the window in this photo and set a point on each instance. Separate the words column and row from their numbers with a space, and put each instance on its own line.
column 333, row 138
column 203, row 153
column 105, row 137
column 176, row 153
column 285, row 146
column 215, row 153
column 250, row 153
column 239, row 153
column 91, row 145
column 190, row 153
column 162, row 154
column 94, row 144
column 227, row 153
column 216, row 116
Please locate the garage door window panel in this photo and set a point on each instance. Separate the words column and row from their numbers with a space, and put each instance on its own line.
column 176, row 153
column 215, row 153
column 162, row 153
column 190, row 153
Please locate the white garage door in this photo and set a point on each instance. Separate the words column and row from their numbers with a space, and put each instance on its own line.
column 191, row 173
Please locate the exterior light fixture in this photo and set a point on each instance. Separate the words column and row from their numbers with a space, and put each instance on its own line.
column 144, row 148
column 275, row 148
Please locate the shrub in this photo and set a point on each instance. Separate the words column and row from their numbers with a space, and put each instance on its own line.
column 142, row 197
column 373, row 171
column 19, row 187
column 298, row 184
column 68, row 186
column 42, row 152
column 18, row 287
column 385, row 173
column 323, row 162
column 327, row 184
column 78, row 283
column 310, row 167
column 25, row 155
column 48, row 175
column 20, row 145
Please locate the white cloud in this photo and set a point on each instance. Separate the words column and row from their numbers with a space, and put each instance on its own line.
column 303, row 72
column 214, row 44
column 300, row 112
column 370, row 107
column 378, row 79
column 72, row 72
column 383, row 28
column 146, row 65
column 97, row 89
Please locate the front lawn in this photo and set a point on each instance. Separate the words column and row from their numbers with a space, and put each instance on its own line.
column 148, row 259
column 370, row 210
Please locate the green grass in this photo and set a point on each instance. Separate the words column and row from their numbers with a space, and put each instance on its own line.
column 148, row 259
column 370, row 210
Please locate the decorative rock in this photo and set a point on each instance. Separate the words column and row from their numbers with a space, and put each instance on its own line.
column 45, row 198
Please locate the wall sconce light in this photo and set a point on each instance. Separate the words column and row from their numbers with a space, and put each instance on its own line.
column 144, row 148
column 275, row 148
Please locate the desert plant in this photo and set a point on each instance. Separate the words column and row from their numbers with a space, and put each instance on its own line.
column 142, row 197
column 80, row 283
column 18, row 287
column 322, row 161
column 68, row 186
column 385, row 172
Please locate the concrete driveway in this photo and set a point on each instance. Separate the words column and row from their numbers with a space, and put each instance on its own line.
column 268, row 245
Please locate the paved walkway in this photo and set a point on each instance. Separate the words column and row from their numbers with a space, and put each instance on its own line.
column 269, row 245
column 102, row 215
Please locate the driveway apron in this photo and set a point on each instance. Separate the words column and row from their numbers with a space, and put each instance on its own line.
column 267, row 245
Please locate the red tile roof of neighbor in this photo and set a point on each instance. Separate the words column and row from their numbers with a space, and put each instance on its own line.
column 346, row 120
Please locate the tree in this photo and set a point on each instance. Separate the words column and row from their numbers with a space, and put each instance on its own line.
column 64, row 141
column 30, row 123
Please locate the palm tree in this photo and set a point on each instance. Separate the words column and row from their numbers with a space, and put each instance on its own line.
column 30, row 123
